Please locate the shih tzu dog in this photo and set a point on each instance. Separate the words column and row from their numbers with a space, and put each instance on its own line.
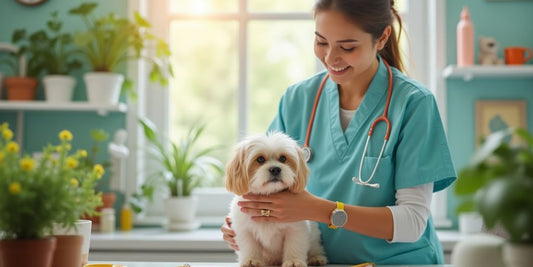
column 263, row 165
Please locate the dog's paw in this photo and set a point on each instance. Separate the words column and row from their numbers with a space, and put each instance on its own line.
column 294, row 263
column 252, row 263
column 317, row 260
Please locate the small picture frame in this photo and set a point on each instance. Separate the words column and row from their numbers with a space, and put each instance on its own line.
column 495, row 115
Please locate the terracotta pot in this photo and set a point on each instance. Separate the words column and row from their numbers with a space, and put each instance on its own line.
column 21, row 88
column 68, row 251
column 27, row 253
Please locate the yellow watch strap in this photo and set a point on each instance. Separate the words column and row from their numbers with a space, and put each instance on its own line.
column 340, row 206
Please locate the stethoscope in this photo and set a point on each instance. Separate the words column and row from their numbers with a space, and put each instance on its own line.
column 308, row 154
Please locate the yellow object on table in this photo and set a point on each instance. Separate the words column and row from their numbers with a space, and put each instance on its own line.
column 103, row 265
column 366, row 264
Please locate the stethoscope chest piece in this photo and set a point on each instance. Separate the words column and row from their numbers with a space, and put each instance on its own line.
column 307, row 153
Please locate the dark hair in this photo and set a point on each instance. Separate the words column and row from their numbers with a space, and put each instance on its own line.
column 373, row 16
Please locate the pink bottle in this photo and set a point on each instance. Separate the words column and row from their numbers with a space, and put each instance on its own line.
column 465, row 40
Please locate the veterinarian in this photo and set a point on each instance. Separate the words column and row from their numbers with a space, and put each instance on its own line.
column 373, row 204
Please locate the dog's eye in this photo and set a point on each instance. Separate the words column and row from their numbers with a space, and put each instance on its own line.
column 282, row 159
column 261, row 159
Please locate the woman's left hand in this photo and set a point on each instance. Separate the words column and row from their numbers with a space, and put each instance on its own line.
column 284, row 206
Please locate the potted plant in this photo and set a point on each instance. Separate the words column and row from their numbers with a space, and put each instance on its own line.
column 53, row 52
column 38, row 195
column 183, row 168
column 110, row 41
column 500, row 181
column 21, row 84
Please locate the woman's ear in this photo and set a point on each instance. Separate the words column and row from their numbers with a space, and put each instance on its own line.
column 382, row 41
column 302, row 172
column 236, row 172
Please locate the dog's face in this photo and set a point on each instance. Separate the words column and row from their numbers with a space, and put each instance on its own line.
column 488, row 44
column 267, row 164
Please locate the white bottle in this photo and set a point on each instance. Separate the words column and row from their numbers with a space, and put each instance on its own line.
column 107, row 222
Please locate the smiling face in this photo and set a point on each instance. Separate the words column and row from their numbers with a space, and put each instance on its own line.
column 348, row 52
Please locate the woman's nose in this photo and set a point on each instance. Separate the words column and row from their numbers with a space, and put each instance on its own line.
column 331, row 56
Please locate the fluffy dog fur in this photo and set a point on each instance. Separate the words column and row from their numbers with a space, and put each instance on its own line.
column 265, row 165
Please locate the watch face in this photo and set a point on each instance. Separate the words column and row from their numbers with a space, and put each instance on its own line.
column 339, row 218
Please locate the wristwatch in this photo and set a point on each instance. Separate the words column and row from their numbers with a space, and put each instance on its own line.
column 338, row 216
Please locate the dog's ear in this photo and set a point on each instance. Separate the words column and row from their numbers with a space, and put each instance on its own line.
column 302, row 172
column 236, row 172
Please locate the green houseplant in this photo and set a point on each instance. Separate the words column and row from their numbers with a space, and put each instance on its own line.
column 183, row 168
column 37, row 195
column 109, row 41
column 53, row 52
column 498, row 183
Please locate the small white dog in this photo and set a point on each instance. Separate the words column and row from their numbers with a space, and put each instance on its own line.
column 267, row 164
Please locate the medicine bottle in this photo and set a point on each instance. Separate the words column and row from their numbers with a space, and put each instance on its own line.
column 126, row 218
column 107, row 224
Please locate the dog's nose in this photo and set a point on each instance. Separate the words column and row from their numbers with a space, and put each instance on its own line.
column 275, row 171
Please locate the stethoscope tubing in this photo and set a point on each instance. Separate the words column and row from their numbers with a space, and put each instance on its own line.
column 307, row 149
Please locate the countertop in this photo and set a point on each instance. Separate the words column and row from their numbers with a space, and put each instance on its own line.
column 203, row 239
column 225, row 264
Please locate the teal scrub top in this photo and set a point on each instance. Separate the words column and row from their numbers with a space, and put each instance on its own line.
column 417, row 153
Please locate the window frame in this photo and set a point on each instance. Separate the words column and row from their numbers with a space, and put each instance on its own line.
column 426, row 27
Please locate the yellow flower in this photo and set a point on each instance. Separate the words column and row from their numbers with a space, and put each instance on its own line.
column 74, row 182
column 98, row 170
column 72, row 163
column 27, row 164
column 14, row 188
column 4, row 125
column 65, row 135
column 83, row 153
column 54, row 161
column 7, row 134
column 12, row 147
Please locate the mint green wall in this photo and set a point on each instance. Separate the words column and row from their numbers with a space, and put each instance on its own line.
column 42, row 127
column 510, row 22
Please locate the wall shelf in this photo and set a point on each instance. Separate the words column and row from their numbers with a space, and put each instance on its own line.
column 499, row 71
column 67, row 106
column 21, row 106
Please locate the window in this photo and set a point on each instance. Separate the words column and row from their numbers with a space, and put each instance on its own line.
column 233, row 59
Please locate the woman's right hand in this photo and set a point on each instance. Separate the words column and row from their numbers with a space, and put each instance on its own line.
column 229, row 234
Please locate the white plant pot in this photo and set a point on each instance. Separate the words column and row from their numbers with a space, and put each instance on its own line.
column 181, row 213
column 517, row 255
column 470, row 223
column 83, row 228
column 58, row 88
column 478, row 250
column 103, row 87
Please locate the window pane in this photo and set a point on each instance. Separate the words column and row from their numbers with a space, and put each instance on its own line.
column 204, row 56
column 280, row 5
column 281, row 53
column 203, row 6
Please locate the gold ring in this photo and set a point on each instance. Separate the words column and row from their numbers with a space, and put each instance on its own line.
column 265, row 212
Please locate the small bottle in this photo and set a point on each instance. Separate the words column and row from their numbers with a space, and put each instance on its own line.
column 126, row 218
column 465, row 40
column 107, row 223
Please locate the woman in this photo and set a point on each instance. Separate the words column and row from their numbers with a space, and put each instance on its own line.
column 387, row 219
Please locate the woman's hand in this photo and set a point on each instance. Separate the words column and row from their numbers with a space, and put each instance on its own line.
column 228, row 234
column 284, row 206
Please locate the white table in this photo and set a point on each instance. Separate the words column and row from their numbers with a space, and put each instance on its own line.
column 227, row 264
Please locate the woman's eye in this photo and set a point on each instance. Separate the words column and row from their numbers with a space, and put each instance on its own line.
column 321, row 43
column 348, row 49
column 261, row 159
column 282, row 159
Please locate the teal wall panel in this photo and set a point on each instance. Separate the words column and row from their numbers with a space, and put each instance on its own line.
column 509, row 22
